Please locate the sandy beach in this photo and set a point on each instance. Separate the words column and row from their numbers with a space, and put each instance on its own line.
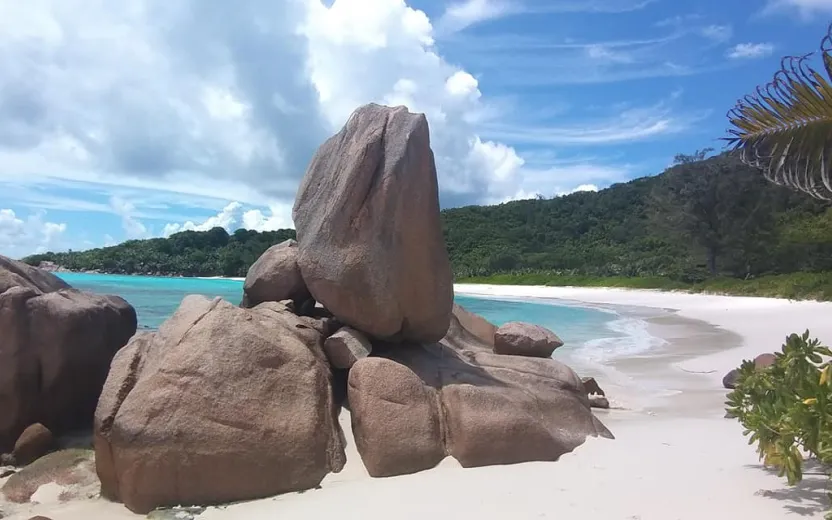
column 675, row 456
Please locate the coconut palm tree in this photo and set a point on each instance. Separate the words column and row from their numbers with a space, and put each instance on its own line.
column 785, row 128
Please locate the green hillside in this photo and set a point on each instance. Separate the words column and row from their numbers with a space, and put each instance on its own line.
column 700, row 221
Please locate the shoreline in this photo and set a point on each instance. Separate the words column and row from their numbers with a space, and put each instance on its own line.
column 674, row 456
column 762, row 324
column 649, row 379
column 666, row 290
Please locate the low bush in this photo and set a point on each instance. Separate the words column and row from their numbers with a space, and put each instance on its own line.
column 786, row 409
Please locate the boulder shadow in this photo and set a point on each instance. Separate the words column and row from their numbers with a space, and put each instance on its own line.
column 439, row 365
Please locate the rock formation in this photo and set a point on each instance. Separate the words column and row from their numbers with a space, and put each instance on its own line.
column 275, row 276
column 592, row 387
column 417, row 403
column 74, row 470
column 57, row 344
column 345, row 347
column 483, row 329
column 524, row 339
column 18, row 274
column 761, row 362
column 221, row 404
column 228, row 403
column 369, row 233
column 35, row 442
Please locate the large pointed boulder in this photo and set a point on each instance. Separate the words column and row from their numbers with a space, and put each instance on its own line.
column 415, row 404
column 56, row 344
column 220, row 404
column 371, row 248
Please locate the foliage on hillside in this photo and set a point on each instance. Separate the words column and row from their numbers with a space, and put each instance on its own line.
column 656, row 226
column 713, row 213
column 189, row 253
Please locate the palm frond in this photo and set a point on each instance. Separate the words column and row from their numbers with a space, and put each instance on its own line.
column 785, row 128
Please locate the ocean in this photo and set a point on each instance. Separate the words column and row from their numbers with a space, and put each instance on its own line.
column 591, row 335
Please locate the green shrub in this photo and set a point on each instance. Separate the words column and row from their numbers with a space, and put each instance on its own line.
column 786, row 409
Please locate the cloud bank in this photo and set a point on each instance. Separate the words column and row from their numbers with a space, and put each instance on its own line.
column 213, row 99
column 201, row 100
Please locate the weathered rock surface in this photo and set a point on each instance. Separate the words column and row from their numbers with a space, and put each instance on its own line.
column 395, row 418
column 221, row 404
column 597, row 401
column 524, row 339
column 35, row 442
column 369, row 232
column 761, row 362
column 415, row 404
column 346, row 346
column 74, row 469
column 57, row 344
column 19, row 274
column 592, row 387
column 764, row 361
column 729, row 381
column 275, row 276
column 483, row 329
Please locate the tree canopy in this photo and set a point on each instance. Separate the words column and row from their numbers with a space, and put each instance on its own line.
column 701, row 217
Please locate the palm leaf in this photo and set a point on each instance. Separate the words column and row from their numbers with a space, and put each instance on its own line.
column 785, row 128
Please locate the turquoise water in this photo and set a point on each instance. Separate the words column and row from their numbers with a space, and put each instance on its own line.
column 154, row 298
column 592, row 332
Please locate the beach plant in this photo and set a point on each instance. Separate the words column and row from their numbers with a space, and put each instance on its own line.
column 786, row 408
column 784, row 128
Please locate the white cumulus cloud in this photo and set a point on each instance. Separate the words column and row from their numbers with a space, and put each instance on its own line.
column 228, row 218
column 750, row 51
column 20, row 237
column 208, row 99
column 582, row 187
column 234, row 216
column 133, row 227
column 718, row 33
column 219, row 99
column 279, row 217
column 805, row 8
column 460, row 15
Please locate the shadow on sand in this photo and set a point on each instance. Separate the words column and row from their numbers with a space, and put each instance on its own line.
column 806, row 498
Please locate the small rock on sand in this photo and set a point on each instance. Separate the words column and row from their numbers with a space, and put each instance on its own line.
column 35, row 442
column 592, row 387
column 597, row 401
column 524, row 339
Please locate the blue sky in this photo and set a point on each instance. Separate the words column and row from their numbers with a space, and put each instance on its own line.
column 146, row 117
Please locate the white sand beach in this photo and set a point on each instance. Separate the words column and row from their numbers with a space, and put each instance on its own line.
column 674, row 457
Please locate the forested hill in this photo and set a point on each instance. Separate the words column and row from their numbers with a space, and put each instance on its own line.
column 698, row 219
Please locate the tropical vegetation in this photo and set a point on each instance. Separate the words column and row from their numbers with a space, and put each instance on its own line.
column 786, row 409
column 707, row 223
column 784, row 127
column 785, row 130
